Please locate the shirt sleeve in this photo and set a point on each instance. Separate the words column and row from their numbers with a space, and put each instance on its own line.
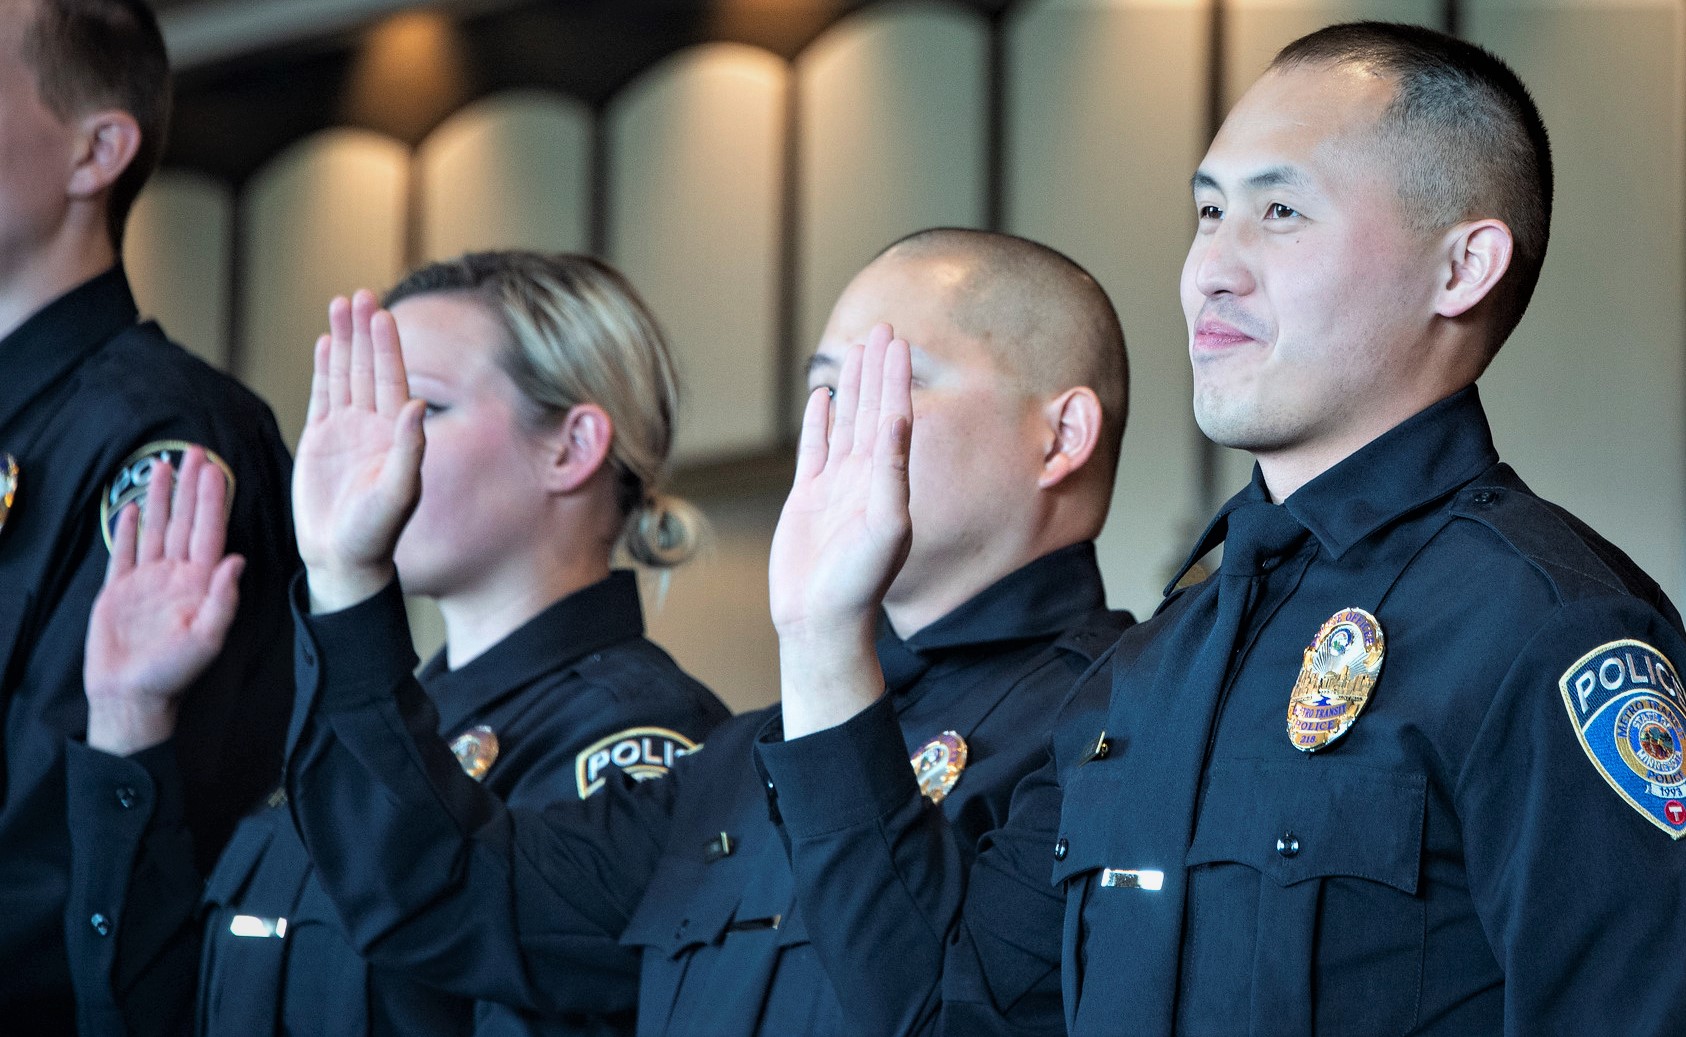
column 1575, row 860
column 132, row 926
column 965, row 939
column 432, row 873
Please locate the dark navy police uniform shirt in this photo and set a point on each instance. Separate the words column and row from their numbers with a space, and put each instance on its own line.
column 83, row 388
column 690, row 872
column 1491, row 847
column 574, row 694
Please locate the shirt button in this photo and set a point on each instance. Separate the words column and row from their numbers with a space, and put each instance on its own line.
column 1061, row 848
column 1288, row 844
column 100, row 924
column 1485, row 497
column 679, row 930
column 1269, row 564
column 126, row 797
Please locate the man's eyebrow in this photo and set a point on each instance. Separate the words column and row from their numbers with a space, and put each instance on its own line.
column 1274, row 176
column 819, row 362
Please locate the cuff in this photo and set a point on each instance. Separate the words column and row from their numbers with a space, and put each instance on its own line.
column 145, row 786
column 843, row 776
column 347, row 658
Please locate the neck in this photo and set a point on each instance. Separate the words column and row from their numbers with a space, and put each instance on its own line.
column 29, row 280
column 914, row 603
column 478, row 618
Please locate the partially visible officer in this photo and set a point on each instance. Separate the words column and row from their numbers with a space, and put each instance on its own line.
column 549, row 401
column 1411, row 762
column 90, row 401
column 999, row 608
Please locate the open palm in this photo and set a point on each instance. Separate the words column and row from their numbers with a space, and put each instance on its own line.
column 357, row 475
column 164, row 611
column 844, row 530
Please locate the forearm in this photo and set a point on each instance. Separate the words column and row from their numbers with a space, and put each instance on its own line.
column 850, row 807
column 430, row 872
column 132, row 918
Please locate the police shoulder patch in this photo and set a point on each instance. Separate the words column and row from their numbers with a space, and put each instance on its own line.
column 135, row 473
column 642, row 752
column 1624, row 698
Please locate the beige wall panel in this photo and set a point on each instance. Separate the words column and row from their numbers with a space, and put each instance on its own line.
column 713, row 615
column 177, row 250
column 1106, row 121
column 693, row 221
column 1588, row 399
column 324, row 217
column 892, row 113
column 1255, row 31
column 511, row 171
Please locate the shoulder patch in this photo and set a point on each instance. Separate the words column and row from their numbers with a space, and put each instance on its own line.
column 1624, row 698
column 642, row 752
column 135, row 473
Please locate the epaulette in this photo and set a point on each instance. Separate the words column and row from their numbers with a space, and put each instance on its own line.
column 1570, row 554
column 1096, row 634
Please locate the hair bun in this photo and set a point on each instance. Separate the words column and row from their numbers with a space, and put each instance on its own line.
column 664, row 531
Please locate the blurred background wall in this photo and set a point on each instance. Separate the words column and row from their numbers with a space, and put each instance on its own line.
column 740, row 159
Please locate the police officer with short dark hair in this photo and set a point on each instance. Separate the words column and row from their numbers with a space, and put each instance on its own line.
column 1411, row 761
column 998, row 610
column 90, row 401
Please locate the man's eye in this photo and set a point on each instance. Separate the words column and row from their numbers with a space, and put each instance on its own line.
column 1209, row 212
column 1278, row 211
column 430, row 409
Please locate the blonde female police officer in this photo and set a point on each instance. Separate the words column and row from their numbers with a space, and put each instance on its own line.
column 548, row 400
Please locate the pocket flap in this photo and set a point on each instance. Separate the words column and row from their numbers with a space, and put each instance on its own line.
column 674, row 916
column 1313, row 819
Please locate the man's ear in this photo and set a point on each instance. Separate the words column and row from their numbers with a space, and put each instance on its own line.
column 1073, row 420
column 577, row 447
column 1475, row 256
column 106, row 143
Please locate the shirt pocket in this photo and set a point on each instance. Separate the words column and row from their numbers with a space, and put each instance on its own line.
column 1340, row 927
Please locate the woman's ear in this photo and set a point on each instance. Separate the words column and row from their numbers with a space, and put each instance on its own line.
column 577, row 447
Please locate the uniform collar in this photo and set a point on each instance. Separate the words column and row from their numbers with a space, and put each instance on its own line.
column 586, row 621
column 56, row 337
column 1421, row 460
column 1041, row 599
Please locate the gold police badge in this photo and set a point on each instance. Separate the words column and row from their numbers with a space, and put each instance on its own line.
column 135, row 474
column 476, row 750
column 1339, row 672
column 8, row 486
column 938, row 765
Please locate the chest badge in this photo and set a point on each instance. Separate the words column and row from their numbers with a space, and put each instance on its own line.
column 8, row 486
column 1340, row 669
column 476, row 750
column 938, row 765
column 1624, row 698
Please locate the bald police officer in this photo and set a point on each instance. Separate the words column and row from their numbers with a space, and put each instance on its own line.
column 1411, row 762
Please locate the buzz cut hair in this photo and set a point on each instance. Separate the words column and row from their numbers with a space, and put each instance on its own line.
column 1463, row 136
column 94, row 54
column 1044, row 319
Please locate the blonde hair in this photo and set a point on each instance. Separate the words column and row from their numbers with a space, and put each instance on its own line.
column 577, row 332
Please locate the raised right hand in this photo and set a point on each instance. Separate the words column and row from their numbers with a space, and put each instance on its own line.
column 357, row 475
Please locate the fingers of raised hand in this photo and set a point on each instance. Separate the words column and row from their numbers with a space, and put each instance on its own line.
column 392, row 389
column 872, row 388
column 319, row 381
column 811, row 448
column 363, row 307
column 844, row 405
column 150, row 547
column 210, row 515
column 339, row 351
column 122, row 559
column 178, row 520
